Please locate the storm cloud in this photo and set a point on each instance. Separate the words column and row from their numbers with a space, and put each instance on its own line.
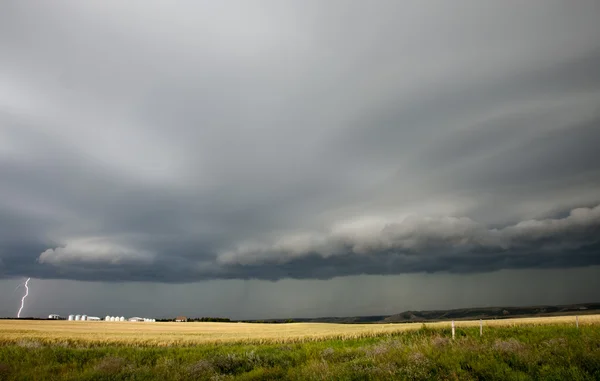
column 176, row 141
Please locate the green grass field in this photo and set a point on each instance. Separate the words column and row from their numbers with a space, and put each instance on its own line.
column 548, row 351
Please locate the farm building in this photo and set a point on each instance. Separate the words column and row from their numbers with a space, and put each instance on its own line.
column 181, row 318
column 136, row 319
column 54, row 317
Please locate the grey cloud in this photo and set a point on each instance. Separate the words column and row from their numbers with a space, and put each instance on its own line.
column 415, row 244
column 173, row 143
column 435, row 239
column 93, row 251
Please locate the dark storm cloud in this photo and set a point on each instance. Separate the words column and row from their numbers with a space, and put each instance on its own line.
column 418, row 244
column 176, row 142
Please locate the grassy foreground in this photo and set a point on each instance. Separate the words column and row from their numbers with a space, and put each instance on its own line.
column 520, row 352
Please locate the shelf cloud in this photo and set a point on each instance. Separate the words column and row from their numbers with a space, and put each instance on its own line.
column 176, row 142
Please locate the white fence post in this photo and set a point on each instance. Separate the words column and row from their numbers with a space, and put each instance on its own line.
column 453, row 333
column 480, row 327
column 577, row 321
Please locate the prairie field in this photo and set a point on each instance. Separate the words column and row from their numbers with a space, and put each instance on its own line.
column 178, row 334
column 512, row 349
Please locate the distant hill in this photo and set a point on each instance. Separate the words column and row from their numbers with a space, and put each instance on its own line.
column 493, row 313
column 455, row 314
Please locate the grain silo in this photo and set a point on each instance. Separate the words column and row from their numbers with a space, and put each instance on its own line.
column 71, row 317
column 112, row 318
column 107, row 318
column 83, row 317
column 77, row 317
column 122, row 318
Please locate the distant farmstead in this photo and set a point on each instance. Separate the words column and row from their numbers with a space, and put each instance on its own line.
column 181, row 318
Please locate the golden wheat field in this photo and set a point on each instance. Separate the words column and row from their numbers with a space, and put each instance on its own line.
column 175, row 334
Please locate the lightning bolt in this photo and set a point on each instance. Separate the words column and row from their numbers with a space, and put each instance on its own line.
column 23, row 299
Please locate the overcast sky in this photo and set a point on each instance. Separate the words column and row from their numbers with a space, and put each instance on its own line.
column 284, row 158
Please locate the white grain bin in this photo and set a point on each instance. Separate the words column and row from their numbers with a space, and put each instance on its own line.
column 153, row 320
column 122, row 318
column 107, row 318
column 112, row 318
column 77, row 317
column 83, row 317
column 71, row 317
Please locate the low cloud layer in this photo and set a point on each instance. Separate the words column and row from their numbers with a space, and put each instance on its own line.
column 92, row 251
column 430, row 244
column 172, row 142
column 363, row 246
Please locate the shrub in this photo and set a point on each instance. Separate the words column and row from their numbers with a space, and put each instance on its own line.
column 111, row 365
column 201, row 369
column 5, row 371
